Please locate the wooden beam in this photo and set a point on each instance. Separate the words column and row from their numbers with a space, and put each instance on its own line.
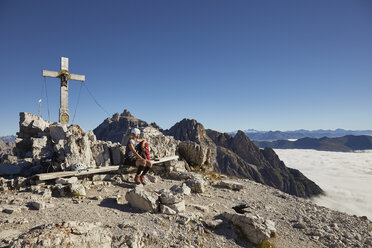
column 64, row 63
column 77, row 77
column 47, row 73
column 54, row 175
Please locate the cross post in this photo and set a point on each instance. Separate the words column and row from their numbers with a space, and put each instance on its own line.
column 64, row 75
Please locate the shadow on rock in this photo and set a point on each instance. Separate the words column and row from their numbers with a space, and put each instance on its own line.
column 111, row 203
column 231, row 232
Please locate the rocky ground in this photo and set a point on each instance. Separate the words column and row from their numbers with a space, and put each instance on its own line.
column 38, row 216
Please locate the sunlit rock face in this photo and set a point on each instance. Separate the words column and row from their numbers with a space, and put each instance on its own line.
column 239, row 156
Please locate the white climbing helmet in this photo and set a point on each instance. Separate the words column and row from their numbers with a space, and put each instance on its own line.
column 135, row 131
column 78, row 167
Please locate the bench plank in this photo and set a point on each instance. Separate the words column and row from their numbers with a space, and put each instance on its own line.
column 92, row 171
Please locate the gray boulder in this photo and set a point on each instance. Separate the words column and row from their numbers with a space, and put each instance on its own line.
column 197, row 185
column 77, row 189
column 183, row 189
column 230, row 184
column 164, row 209
column 255, row 228
column 139, row 198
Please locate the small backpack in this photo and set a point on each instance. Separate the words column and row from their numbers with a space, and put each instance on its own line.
column 143, row 151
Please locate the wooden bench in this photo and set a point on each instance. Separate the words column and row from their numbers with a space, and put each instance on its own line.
column 92, row 171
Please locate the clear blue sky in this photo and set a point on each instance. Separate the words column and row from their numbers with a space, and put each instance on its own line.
column 268, row 65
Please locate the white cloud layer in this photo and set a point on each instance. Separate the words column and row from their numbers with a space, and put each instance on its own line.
column 346, row 177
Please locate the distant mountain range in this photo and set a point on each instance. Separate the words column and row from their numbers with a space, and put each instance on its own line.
column 301, row 133
column 9, row 138
column 346, row 143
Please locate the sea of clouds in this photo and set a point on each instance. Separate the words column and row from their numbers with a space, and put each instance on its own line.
column 346, row 177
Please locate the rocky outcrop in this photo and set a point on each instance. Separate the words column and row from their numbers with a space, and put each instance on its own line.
column 66, row 234
column 43, row 146
column 255, row 228
column 140, row 198
column 112, row 129
column 188, row 130
column 196, row 147
column 160, row 145
column 291, row 180
column 238, row 156
column 229, row 163
column 118, row 128
column 6, row 151
column 194, row 153
column 257, row 214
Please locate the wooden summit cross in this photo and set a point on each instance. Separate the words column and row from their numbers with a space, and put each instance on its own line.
column 64, row 75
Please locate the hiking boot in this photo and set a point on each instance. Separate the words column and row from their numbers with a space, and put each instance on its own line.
column 137, row 179
column 142, row 178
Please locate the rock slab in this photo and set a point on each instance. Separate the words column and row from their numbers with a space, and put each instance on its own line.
column 139, row 198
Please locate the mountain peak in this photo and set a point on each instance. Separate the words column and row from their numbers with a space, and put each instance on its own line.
column 126, row 113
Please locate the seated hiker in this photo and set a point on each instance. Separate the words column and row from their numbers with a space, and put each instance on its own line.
column 133, row 158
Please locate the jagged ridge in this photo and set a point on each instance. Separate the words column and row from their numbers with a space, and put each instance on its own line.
column 238, row 156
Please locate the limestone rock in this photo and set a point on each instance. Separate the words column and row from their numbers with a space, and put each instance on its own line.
column 119, row 199
column 65, row 181
column 199, row 207
column 254, row 227
column 32, row 124
column 191, row 130
column 230, row 184
column 101, row 153
column 184, row 189
column 139, row 198
column 113, row 129
column 115, row 153
column 197, row 185
column 47, row 144
column 77, row 189
column 118, row 128
column 102, row 177
column 169, row 198
column 164, row 209
column 238, row 156
column 78, row 147
column 37, row 205
column 132, row 237
column 193, row 153
column 57, row 132
column 178, row 175
column 40, row 147
column 9, row 234
column 59, row 190
column 212, row 223
column 178, row 207
column 160, row 145
column 9, row 209
column 78, row 234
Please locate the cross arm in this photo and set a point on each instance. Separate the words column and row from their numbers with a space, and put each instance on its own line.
column 47, row 73
column 77, row 77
